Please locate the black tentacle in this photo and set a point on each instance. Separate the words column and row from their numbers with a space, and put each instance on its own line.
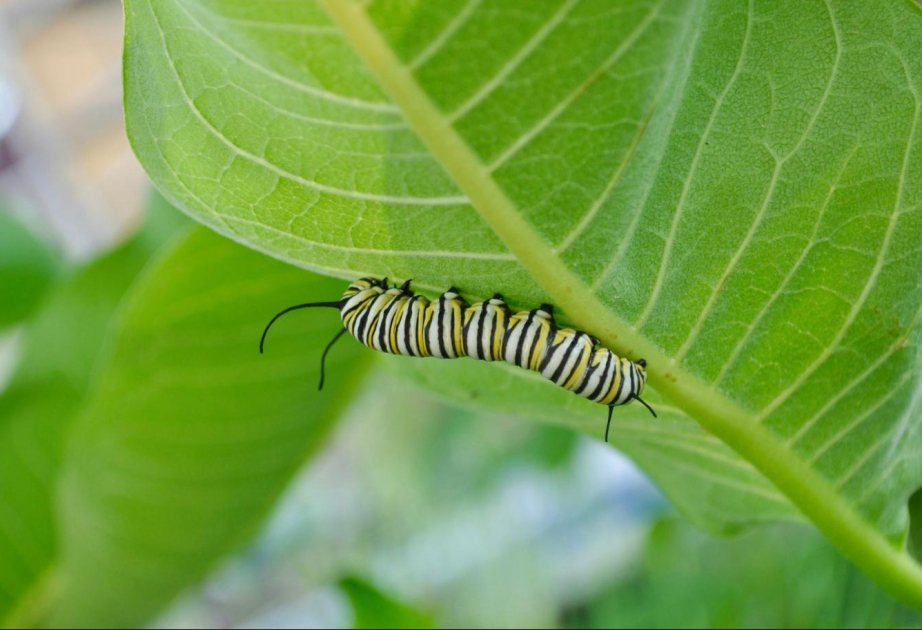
column 638, row 398
column 262, row 339
column 323, row 359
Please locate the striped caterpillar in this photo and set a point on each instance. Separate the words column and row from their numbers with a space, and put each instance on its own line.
column 397, row 321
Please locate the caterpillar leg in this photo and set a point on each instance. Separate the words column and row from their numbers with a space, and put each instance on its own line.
column 323, row 358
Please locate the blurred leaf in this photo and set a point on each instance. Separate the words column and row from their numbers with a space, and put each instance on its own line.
column 190, row 435
column 731, row 192
column 66, row 338
column 63, row 343
column 701, row 475
column 780, row 577
column 481, row 445
column 374, row 609
column 28, row 268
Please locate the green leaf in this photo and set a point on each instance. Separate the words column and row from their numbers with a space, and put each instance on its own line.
column 28, row 268
column 190, row 434
column 374, row 609
column 703, row 477
column 63, row 343
column 728, row 190
column 687, row 580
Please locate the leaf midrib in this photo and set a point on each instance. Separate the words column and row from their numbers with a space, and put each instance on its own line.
column 894, row 570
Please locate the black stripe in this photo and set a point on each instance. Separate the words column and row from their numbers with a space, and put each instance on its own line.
column 502, row 351
column 372, row 318
column 395, row 326
column 620, row 385
column 590, row 370
column 521, row 345
column 598, row 388
column 427, row 325
column 362, row 322
column 466, row 327
column 405, row 321
column 378, row 320
column 354, row 319
column 451, row 327
column 633, row 380
column 566, row 357
column 493, row 326
column 420, row 323
column 534, row 343
column 574, row 368
column 441, row 326
column 462, row 309
column 359, row 305
column 384, row 331
column 480, row 338
column 502, row 328
column 552, row 348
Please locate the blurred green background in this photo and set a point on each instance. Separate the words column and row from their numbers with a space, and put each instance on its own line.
column 401, row 511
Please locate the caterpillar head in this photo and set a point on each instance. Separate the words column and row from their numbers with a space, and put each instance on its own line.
column 364, row 284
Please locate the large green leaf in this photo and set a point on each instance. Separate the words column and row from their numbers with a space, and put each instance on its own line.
column 63, row 344
column 729, row 190
column 703, row 477
column 190, row 434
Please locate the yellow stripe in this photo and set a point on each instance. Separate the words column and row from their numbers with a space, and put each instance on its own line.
column 396, row 324
column 514, row 321
column 424, row 316
column 578, row 371
column 357, row 311
column 543, row 335
column 370, row 331
column 500, row 332
column 456, row 321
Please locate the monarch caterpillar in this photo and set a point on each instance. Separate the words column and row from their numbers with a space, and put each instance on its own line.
column 397, row 321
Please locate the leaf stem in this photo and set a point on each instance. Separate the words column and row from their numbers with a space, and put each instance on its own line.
column 894, row 570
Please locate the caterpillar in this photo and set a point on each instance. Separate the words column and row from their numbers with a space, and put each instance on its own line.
column 397, row 321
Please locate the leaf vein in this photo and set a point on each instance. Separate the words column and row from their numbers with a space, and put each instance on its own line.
column 509, row 67
column 769, row 196
column 875, row 272
column 307, row 183
column 686, row 187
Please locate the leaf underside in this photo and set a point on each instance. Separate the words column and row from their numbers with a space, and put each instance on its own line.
column 731, row 188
